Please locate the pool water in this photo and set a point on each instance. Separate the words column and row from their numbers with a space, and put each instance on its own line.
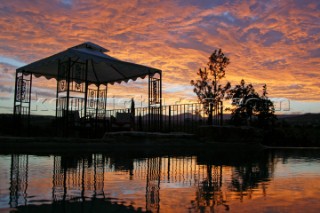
column 261, row 181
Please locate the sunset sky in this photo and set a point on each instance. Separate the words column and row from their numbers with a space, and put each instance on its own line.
column 268, row 41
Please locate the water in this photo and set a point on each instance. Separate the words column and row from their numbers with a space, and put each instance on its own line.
column 189, row 181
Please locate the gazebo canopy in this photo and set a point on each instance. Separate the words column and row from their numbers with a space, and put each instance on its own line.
column 75, row 69
column 103, row 69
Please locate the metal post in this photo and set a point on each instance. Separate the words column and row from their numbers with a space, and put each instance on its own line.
column 86, row 91
column 149, row 99
column 30, row 87
column 160, row 90
column 97, row 109
column 57, row 90
column 15, row 95
column 68, row 96
column 184, row 117
column 169, row 118
column 106, row 101
column 15, row 113
column 105, row 122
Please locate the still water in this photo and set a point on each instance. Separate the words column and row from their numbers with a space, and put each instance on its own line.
column 194, row 181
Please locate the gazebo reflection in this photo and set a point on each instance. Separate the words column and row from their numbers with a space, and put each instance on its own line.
column 82, row 179
column 18, row 180
column 75, row 180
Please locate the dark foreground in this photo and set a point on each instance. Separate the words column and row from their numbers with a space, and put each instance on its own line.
column 120, row 141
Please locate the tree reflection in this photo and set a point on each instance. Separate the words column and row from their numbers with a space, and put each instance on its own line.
column 209, row 193
column 246, row 174
column 81, row 178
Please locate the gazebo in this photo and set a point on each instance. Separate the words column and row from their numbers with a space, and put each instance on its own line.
column 83, row 73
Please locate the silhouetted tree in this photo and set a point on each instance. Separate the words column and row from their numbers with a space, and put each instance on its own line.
column 207, row 88
column 247, row 104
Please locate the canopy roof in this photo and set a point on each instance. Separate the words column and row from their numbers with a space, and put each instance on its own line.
column 102, row 69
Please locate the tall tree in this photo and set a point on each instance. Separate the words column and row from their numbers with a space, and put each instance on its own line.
column 207, row 89
column 217, row 65
column 249, row 106
column 265, row 109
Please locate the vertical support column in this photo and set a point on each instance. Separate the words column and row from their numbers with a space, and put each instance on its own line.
column 68, row 84
column 97, row 101
column 57, row 98
column 22, row 101
column 57, row 90
column 149, row 101
column 86, row 91
column 66, row 124
column 106, row 101
column 155, row 102
column 160, row 91
column 15, row 95
column 169, row 118
column 29, row 102
column 16, row 119
column 106, row 123
column 97, row 109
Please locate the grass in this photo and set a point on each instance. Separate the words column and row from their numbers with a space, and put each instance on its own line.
column 291, row 131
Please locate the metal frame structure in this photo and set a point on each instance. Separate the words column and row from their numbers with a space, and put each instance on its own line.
column 22, row 101
column 74, row 98
column 80, row 101
column 155, row 102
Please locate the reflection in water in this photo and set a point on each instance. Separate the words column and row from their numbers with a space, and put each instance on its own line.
column 209, row 191
column 18, row 180
column 153, row 184
column 79, row 181
column 75, row 178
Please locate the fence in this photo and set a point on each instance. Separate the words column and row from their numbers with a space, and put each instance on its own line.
column 171, row 118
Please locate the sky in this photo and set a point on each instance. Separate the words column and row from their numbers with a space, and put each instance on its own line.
column 269, row 42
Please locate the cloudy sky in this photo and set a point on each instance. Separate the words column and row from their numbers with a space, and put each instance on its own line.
column 268, row 41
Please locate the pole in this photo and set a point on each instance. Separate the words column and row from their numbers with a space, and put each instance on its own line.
column 86, row 91
column 66, row 120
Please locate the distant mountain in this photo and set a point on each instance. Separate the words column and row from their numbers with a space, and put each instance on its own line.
column 301, row 120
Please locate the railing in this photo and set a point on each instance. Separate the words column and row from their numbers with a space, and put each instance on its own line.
column 172, row 118
column 183, row 117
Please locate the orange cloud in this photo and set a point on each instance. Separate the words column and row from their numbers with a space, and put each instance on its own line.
column 268, row 42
